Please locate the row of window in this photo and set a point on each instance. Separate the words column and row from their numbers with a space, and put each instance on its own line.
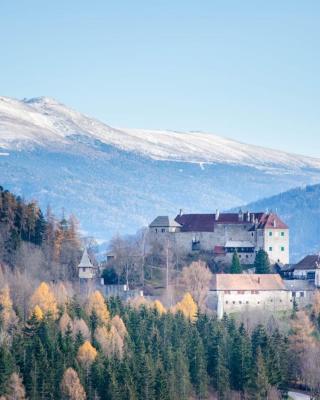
column 247, row 302
column 281, row 248
column 276, row 233
column 242, row 291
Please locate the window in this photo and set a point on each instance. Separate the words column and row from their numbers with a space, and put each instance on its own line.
column 163, row 230
column 293, row 294
column 227, row 302
column 195, row 245
column 240, row 291
column 301, row 294
column 83, row 270
column 270, row 233
column 156, row 230
column 270, row 248
column 227, row 292
column 233, row 302
column 240, row 302
column 247, row 302
column 282, row 248
column 282, row 233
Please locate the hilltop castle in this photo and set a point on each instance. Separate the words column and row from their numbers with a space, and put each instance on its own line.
column 224, row 233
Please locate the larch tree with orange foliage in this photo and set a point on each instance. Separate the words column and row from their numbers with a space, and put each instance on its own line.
column 86, row 354
column 159, row 307
column 15, row 388
column 187, row 307
column 96, row 304
column 7, row 314
column 44, row 298
column 110, row 341
column 119, row 325
column 71, row 387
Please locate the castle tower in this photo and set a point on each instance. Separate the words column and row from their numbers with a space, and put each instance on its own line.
column 86, row 270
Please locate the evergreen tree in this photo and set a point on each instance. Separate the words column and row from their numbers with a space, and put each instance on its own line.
column 259, row 383
column 236, row 267
column 262, row 263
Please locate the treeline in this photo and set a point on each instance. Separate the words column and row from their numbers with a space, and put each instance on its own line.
column 53, row 244
column 107, row 350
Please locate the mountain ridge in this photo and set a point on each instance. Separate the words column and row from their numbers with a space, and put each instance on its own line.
column 116, row 181
column 57, row 123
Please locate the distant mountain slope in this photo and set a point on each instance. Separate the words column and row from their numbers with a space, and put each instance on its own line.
column 116, row 180
column 300, row 209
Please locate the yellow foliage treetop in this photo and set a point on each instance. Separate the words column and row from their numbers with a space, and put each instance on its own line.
column 97, row 305
column 37, row 313
column 43, row 297
column 86, row 354
column 187, row 306
column 159, row 307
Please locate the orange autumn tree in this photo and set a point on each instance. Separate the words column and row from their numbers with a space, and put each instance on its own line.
column 7, row 315
column 159, row 307
column 71, row 387
column 37, row 313
column 44, row 298
column 119, row 325
column 110, row 341
column 86, row 354
column 96, row 304
column 187, row 307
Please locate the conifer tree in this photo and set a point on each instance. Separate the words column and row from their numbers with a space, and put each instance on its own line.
column 260, row 382
column 262, row 263
column 236, row 267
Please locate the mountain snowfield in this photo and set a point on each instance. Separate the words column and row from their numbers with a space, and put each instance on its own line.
column 116, row 180
column 43, row 121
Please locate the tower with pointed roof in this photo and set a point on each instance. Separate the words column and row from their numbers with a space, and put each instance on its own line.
column 86, row 270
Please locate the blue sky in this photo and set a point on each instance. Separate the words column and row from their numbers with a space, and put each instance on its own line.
column 248, row 70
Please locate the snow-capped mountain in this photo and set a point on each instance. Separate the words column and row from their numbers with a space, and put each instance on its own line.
column 117, row 179
column 44, row 121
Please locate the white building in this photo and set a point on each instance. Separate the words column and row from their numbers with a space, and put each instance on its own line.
column 224, row 233
column 238, row 293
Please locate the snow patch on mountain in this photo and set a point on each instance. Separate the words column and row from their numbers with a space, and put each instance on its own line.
column 45, row 122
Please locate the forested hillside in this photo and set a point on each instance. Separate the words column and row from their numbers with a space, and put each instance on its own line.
column 68, row 348
column 300, row 209
column 31, row 242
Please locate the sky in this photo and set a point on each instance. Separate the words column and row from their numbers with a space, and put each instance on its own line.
column 248, row 70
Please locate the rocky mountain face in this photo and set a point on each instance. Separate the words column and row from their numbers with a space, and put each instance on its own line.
column 116, row 180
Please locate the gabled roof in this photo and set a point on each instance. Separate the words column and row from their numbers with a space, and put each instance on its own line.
column 196, row 222
column 308, row 262
column 164, row 222
column 207, row 222
column 271, row 220
column 247, row 282
column 85, row 260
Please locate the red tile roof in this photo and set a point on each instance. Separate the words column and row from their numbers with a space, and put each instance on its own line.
column 219, row 250
column 207, row 222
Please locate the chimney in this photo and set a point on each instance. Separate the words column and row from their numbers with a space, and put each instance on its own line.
column 217, row 214
column 240, row 215
column 252, row 217
column 181, row 212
